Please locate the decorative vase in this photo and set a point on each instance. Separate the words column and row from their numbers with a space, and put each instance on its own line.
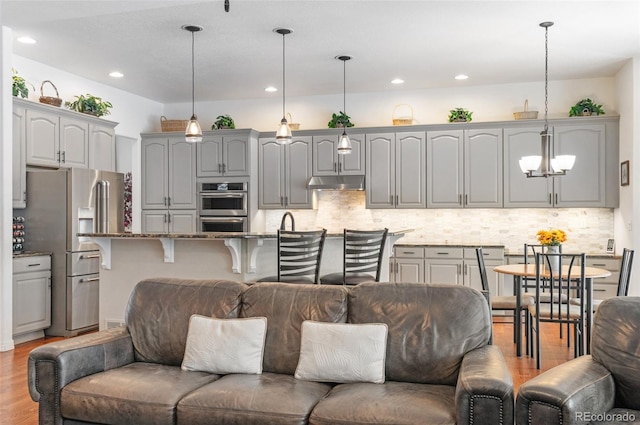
column 554, row 262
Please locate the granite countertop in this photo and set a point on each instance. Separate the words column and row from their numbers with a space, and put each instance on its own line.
column 30, row 254
column 449, row 245
column 215, row 235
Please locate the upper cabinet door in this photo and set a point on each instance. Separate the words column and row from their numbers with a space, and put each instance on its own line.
column 155, row 173
column 235, row 155
column 325, row 155
column 182, row 174
column 584, row 185
column 74, row 143
column 520, row 190
column 410, row 170
column 445, row 169
column 271, row 174
column 209, row 154
column 297, row 173
column 43, row 139
column 102, row 147
column 483, row 168
column 19, row 159
column 353, row 163
column 380, row 170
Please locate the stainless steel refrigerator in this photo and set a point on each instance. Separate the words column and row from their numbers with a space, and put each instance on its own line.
column 61, row 204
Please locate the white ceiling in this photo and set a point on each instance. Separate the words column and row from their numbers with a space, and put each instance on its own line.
column 425, row 42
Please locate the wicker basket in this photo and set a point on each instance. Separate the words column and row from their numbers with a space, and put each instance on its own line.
column 526, row 114
column 172, row 125
column 402, row 120
column 49, row 100
column 292, row 125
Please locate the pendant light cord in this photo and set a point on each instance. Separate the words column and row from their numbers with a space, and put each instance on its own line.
column 546, row 77
column 193, row 74
column 344, row 87
column 283, row 77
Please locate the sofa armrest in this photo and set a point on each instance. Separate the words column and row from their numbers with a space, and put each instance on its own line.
column 54, row 365
column 566, row 393
column 484, row 392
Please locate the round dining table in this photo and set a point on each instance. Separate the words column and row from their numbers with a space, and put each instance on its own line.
column 520, row 271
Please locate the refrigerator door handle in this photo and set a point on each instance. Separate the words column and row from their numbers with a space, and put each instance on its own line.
column 90, row 279
column 89, row 257
column 102, row 206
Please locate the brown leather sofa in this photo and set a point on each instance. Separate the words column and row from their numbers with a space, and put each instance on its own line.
column 601, row 388
column 439, row 366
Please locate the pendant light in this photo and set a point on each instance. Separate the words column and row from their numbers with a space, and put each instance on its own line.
column 549, row 166
column 283, row 135
column 193, row 132
column 344, row 145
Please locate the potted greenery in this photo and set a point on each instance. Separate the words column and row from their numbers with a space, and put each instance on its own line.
column 19, row 85
column 90, row 104
column 460, row 115
column 340, row 120
column 223, row 121
column 586, row 107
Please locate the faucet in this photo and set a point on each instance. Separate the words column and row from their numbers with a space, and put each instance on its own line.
column 293, row 221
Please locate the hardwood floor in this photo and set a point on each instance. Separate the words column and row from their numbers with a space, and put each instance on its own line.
column 16, row 407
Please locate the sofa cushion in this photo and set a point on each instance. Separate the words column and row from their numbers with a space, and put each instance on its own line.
column 225, row 345
column 250, row 399
column 431, row 327
column 159, row 310
column 615, row 341
column 139, row 393
column 396, row 403
column 286, row 306
column 342, row 352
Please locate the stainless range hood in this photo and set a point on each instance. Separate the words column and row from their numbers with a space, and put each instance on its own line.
column 336, row 183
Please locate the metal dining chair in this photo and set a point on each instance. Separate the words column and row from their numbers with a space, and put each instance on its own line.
column 505, row 302
column 561, row 284
column 363, row 250
column 299, row 256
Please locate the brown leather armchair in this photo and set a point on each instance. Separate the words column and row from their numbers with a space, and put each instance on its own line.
column 599, row 388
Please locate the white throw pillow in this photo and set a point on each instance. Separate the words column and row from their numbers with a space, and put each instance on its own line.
column 225, row 345
column 342, row 352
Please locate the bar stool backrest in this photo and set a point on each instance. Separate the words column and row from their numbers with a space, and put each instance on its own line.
column 300, row 253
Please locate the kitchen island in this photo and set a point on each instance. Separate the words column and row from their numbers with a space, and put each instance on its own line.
column 127, row 258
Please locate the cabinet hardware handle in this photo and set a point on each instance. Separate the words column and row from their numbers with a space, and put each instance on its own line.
column 224, row 168
column 549, row 199
column 64, row 156
column 397, row 197
column 340, row 169
column 408, row 252
column 165, row 201
column 286, row 201
column 466, row 269
column 556, row 199
column 165, row 217
column 91, row 279
column 391, row 200
column 442, row 253
column 169, row 201
column 34, row 265
column 58, row 153
column 459, row 199
column 466, row 199
column 335, row 167
column 169, row 217
column 220, row 168
column 89, row 257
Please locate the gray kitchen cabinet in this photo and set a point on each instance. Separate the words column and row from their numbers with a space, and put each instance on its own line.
column 284, row 171
column 395, row 170
column 464, row 168
column 407, row 265
column 31, row 294
column 223, row 156
column 55, row 138
column 102, row 147
column 169, row 221
column 19, row 174
column 583, row 186
column 327, row 161
column 168, row 181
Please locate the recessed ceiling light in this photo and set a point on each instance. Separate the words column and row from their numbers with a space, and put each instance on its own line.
column 397, row 81
column 461, row 77
column 116, row 74
column 270, row 89
column 26, row 40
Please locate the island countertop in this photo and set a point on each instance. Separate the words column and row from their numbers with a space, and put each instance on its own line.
column 218, row 235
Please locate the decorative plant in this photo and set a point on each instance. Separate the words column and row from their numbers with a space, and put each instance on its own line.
column 552, row 237
column 459, row 114
column 223, row 121
column 90, row 104
column 586, row 107
column 19, row 85
column 340, row 120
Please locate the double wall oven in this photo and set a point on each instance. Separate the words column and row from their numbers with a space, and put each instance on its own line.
column 223, row 206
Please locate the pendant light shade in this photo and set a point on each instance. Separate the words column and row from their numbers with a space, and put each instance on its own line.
column 344, row 145
column 193, row 133
column 283, row 135
column 545, row 163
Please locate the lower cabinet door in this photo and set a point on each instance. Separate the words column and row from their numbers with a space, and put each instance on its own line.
column 154, row 221
column 182, row 221
column 409, row 270
column 31, row 301
column 443, row 271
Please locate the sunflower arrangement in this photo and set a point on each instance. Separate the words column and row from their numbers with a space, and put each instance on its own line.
column 552, row 237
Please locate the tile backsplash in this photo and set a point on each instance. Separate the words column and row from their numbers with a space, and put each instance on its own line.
column 587, row 228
